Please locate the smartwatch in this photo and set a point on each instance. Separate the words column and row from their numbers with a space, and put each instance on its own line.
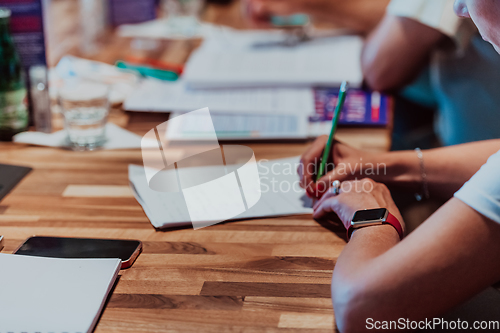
column 371, row 217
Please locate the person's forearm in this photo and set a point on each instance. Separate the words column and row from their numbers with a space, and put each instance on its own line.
column 396, row 52
column 416, row 278
column 350, row 271
column 447, row 168
column 361, row 16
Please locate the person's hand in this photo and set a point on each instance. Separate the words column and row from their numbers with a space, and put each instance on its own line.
column 354, row 196
column 261, row 11
column 345, row 163
column 358, row 15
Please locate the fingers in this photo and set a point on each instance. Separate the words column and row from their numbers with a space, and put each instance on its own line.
column 324, row 184
column 325, row 207
column 309, row 163
column 329, row 194
column 339, row 170
column 316, row 150
column 354, row 195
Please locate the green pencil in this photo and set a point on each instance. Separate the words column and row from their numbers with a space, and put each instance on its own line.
column 335, row 121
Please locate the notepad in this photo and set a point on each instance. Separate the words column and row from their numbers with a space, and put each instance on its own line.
column 53, row 295
column 160, row 96
column 248, row 127
column 248, row 59
column 281, row 195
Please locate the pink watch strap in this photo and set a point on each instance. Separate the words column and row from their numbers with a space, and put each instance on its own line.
column 391, row 219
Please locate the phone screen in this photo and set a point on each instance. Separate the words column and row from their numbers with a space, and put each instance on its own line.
column 58, row 247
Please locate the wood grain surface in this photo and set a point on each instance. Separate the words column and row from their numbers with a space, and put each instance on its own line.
column 257, row 275
column 261, row 275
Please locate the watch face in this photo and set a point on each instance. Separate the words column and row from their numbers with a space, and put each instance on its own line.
column 369, row 215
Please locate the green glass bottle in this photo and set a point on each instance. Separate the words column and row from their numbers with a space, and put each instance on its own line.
column 13, row 93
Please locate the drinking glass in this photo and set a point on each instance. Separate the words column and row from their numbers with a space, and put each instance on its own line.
column 183, row 16
column 85, row 107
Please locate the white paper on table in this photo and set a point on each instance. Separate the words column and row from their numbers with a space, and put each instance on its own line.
column 232, row 59
column 53, row 295
column 161, row 29
column 281, row 195
column 242, row 127
column 117, row 138
column 161, row 96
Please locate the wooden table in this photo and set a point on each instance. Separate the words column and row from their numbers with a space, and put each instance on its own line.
column 257, row 275
column 260, row 274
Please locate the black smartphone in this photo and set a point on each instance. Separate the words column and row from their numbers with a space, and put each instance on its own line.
column 60, row 247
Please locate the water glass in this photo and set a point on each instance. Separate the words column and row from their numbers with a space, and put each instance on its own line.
column 85, row 107
column 183, row 16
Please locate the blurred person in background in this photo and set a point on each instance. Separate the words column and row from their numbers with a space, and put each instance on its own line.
column 421, row 50
column 360, row 16
column 452, row 256
column 460, row 70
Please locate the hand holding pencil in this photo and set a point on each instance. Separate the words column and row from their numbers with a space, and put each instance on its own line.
column 319, row 164
column 335, row 121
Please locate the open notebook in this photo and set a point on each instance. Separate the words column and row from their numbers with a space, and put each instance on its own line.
column 53, row 295
column 281, row 195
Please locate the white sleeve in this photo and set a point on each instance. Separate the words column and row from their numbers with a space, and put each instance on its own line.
column 438, row 14
column 482, row 191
